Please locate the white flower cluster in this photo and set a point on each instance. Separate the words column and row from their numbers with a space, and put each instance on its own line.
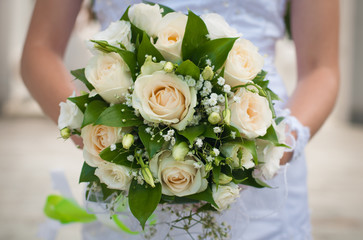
column 190, row 81
column 207, row 89
column 199, row 142
column 196, row 119
column 169, row 136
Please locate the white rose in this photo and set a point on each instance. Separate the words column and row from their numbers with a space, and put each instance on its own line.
column 179, row 178
column 116, row 33
column 170, row 35
column 110, row 76
column 270, row 155
column 163, row 97
column 252, row 115
column 225, row 195
column 70, row 116
column 243, row 63
column 114, row 176
column 146, row 17
column 97, row 138
column 234, row 151
column 218, row 27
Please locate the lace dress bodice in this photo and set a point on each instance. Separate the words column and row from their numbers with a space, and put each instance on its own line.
column 277, row 213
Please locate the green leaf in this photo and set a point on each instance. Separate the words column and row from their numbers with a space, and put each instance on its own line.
column 66, row 210
column 279, row 120
column 93, row 111
column 88, row 174
column 226, row 169
column 206, row 207
column 165, row 9
column 206, row 195
column 246, row 176
column 209, row 132
column 130, row 60
column 194, row 37
column 216, row 50
column 191, row 133
column 152, row 145
column 118, row 115
column 146, row 48
column 143, row 200
column 271, row 136
column 250, row 145
column 227, row 134
column 125, row 16
column 118, row 156
column 188, row 68
column 80, row 75
column 216, row 172
column 270, row 104
column 80, row 101
column 259, row 79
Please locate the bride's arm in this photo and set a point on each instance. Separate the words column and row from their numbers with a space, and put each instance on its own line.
column 315, row 30
column 42, row 65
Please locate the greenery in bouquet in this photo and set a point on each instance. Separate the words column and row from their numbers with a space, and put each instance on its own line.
column 178, row 111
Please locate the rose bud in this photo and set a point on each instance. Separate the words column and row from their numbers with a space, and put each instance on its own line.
column 208, row 73
column 65, row 133
column 180, row 150
column 168, row 67
column 127, row 141
column 214, row 118
column 227, row 116
column 224, row 179
column 148, row 177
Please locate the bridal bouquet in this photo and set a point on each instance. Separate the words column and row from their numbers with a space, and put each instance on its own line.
column 178, row 111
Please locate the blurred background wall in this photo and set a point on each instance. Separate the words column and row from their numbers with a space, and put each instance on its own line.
column 335, row 169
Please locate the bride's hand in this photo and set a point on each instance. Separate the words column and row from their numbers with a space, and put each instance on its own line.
column 77, row 141
column 286, row 158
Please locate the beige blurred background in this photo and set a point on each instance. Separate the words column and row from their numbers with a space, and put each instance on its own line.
column 30, row 148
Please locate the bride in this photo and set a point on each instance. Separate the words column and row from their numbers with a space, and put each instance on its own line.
column 278, row 213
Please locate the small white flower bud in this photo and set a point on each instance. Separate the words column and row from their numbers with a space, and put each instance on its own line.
column 127, row 141
column 180, row 150
column 214, row 118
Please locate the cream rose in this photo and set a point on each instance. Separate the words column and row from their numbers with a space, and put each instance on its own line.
column 70, row 116
column 116, row 33
column 97, row 138
column 251, row 115
column 146, row 17
column 225, row 195
column 270, row 155
column 243, row 63
column 218, row 27
column 170, row 35
column 163, row 97
column 110, row 76
column 179, row 178
column 114, row 176
column 238, row 154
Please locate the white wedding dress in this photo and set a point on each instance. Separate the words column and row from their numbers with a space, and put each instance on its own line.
column 278, row 213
